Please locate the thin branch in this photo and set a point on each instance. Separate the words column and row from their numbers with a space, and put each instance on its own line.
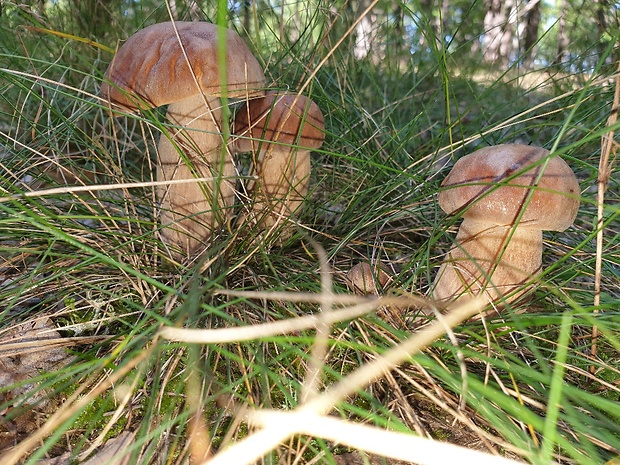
column 604, row 175
column 275, row 328
column 400, row 446
column 257, row 444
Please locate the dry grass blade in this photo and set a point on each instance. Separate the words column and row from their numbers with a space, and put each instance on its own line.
column 248, row 333
column 259, row 443
column 377, row 441
column 341, row 299
column 101, row 187
column 604, row 175
column 10, row 349
column 74, row 404
column 310, row 386
column 395, row 356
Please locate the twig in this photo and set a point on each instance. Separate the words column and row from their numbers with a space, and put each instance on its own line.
column 260, row 442
column 310, row 385
column 400, row 446
column 291, row 325
column 604, row 175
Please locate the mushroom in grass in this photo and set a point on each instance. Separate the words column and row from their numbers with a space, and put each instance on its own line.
column 176, row 64
column 365, row 279
column 507, row 195
column 280, row 130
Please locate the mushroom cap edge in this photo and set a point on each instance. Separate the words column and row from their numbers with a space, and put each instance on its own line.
column 150, row 68
column 478, row 183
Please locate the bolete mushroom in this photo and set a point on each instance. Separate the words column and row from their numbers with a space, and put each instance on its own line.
column 365, row 279
column 507, row 195
column 280, row 130
column 177, row 64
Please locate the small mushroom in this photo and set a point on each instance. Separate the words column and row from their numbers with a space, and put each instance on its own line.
column 280, row 130
column 365, row 279
column 507, row 195
column 176, row 64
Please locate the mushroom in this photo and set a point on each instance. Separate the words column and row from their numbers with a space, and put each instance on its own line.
column 507, row 195
column 365, row 279
column 177, row 64
column 280, row 130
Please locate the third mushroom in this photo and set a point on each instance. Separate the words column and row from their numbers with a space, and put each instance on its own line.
column 507, row 195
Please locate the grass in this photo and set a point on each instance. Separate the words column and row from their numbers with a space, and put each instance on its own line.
column 523, row 383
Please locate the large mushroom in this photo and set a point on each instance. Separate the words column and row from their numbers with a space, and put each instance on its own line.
column 280, row 130
column 177, row 64
column 507, row 195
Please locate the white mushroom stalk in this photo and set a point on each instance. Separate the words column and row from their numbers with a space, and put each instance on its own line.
column 176, row 64
column 507, row 195
column 280, row 130
column 192, row 211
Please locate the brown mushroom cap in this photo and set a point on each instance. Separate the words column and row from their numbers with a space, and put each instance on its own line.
column 478, row 182
column 152, row 66
column 286, row 119
column 363, row 278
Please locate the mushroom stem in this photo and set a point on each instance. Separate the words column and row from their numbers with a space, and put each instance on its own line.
column 495, row 259
column 280, row 130
column 190, row 212
column 282, row 185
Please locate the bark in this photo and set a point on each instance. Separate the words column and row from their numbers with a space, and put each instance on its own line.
column 365, row 32
column 602, row 7
column 508, row 46
column 532, row 22
column 498, row 44
column 399, row 25
column 246, row 13
column 562, row 35
column 601, row 21
column 401, row 40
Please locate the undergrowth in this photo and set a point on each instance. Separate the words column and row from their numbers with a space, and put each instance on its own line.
column 91, row 263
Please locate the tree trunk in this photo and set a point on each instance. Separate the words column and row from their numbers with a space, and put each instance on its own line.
column 532, row 21
column 246, row 13
column 497, row 40
column 601, row 22
column 562, row 35
column 365, row 32
column 507, row 45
